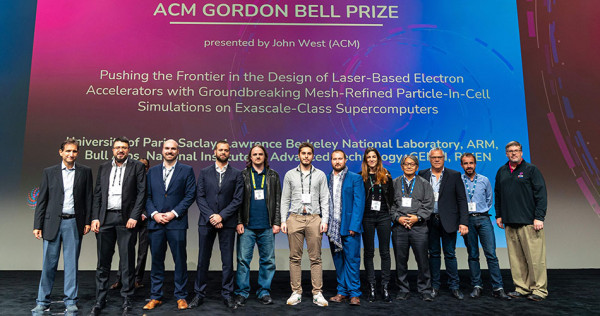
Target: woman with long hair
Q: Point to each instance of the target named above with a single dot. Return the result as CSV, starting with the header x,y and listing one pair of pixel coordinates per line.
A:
x,y
379,199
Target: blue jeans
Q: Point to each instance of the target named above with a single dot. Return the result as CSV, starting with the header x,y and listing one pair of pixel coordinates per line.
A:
x,y
481,229
265,239
68,236
436,231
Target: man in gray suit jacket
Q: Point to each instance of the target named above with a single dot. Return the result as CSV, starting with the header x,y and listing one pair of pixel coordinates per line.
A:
x,y
62,216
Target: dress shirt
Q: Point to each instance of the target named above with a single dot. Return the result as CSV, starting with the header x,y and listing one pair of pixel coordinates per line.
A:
x,y
167,174
483,192
435,184
68,177
337,193
221,171
313,182
115,187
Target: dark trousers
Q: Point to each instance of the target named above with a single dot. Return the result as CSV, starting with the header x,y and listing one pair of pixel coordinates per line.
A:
x,y
112,232
380,222
141,230
417,239
176,238
437,232
206,238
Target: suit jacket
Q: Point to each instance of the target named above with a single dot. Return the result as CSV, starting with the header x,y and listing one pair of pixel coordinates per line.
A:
x,y
133,193
353,203
224,200
178,197
452,200
50,200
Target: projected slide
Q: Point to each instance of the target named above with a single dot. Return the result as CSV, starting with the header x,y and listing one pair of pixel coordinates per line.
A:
x,y
399,76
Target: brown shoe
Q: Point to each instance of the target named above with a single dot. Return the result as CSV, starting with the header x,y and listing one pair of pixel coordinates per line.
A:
x,y
152,304
338,298
182,304
115,286
355,301
138,285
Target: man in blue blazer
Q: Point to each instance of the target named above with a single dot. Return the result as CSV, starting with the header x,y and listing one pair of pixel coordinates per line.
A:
x,y
450,214
171,191
62,216
346,207
220,191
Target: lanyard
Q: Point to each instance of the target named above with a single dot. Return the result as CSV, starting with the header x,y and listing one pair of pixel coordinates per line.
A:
x,y
412,186
262,185
302,181
120,169
166,175
373,187
470,192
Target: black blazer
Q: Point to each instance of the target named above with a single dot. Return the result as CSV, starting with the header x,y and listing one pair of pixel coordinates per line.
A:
x,y
50,200
225,200
452,201
133,194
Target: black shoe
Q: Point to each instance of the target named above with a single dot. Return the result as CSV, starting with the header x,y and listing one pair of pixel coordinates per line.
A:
x,y
240,300
266,300
371,296
230,302
96,309
435,292
427,297
515,294
127,306
499,293
458,294
402,296
535,297
476,292
386,293
196,301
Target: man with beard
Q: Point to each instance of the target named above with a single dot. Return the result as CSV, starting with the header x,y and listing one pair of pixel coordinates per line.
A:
x,y
479,199
346,207
171,191
521,202
449,215
306,197
117,207
220,191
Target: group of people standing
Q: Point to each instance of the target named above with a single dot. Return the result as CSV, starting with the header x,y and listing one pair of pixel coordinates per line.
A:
x,y
422,210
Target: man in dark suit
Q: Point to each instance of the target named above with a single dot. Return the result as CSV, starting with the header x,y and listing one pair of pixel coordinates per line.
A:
x,y
220,191
450,214
346,208
62,216
171,191
118,204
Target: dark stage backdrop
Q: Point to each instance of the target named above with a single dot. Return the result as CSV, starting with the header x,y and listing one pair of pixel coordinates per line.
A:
x,y
400,76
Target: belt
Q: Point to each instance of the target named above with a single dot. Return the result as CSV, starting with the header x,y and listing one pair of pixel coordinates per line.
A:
x,y
67,216
479,214
114,211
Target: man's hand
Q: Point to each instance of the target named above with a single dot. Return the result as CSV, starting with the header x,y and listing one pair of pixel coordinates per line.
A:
x,y
352,233
159,218
215,219
404,221
144,217
131,223
284,228
95,226
276,229
169,216
219,226
538,225
37,233
463,229
323,227
499,222
86,229
240,229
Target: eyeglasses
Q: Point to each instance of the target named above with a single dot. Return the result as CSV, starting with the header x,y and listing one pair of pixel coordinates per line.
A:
x,y
409,164
436,157
513,151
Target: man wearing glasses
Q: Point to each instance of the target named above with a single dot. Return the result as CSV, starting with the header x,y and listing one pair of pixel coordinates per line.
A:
x,y
521,202
449,215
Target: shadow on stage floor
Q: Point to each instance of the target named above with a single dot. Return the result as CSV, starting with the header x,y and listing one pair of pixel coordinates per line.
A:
x,y
572,292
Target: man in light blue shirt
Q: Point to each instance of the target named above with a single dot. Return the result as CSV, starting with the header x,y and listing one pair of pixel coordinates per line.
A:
x,y
479,198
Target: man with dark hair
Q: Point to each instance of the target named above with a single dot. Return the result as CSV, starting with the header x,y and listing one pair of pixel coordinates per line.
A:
x,y
449,215
306,197
479,198
171,191
258,221
521,202
220,191
346,207
62,217
118,204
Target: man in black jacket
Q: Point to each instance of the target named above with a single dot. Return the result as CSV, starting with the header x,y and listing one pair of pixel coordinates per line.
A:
x,y
258,221
450,213
521,202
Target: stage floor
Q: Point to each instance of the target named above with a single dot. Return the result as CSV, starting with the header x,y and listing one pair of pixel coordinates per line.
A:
x,y
571,292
